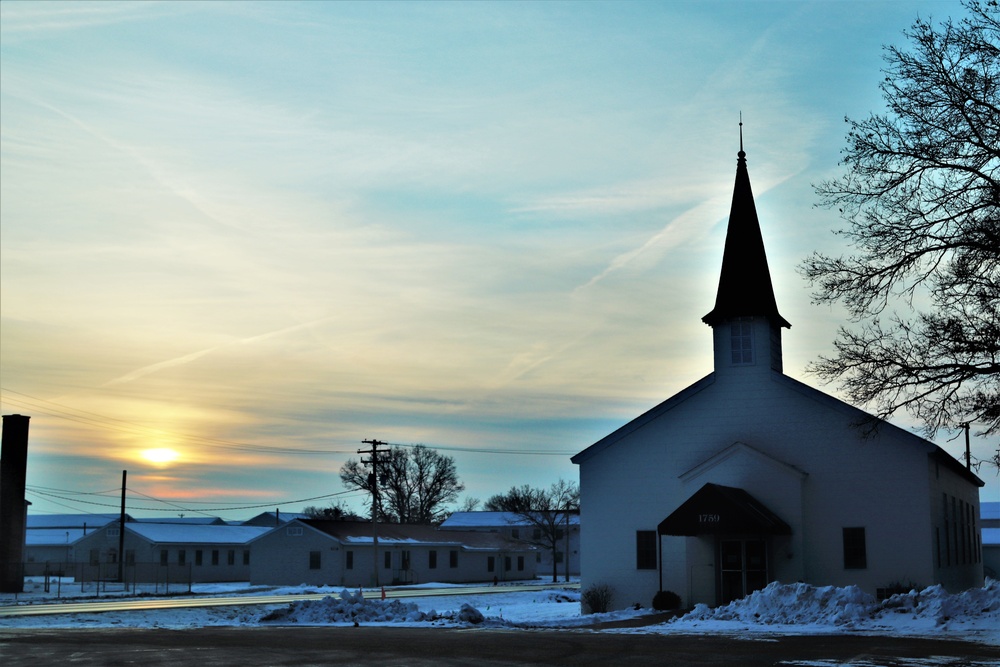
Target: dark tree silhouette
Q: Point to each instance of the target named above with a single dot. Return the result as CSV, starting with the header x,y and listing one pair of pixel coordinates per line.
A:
x,y
921,196
414,484
334,512
545,511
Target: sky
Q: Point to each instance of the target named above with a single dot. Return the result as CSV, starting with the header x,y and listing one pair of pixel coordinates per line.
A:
x,y
238,239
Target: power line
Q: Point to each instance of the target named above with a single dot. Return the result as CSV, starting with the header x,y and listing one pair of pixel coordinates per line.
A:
x,y
47,496
490,450
81,493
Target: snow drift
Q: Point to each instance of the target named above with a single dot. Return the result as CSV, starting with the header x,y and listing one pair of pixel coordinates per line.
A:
x,y
348,607
849,606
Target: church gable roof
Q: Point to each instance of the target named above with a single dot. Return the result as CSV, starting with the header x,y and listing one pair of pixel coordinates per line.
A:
x,y
856,415
859,416
745,287
645,418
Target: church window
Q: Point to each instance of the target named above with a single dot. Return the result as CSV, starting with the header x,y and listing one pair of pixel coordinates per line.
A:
x,y
645,549
741,341
855,553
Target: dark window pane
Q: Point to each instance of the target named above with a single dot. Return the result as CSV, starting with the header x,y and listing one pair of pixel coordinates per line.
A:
x,y
645,549
855,554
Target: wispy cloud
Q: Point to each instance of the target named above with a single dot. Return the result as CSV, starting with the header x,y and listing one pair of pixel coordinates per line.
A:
x,y
194,356
32,18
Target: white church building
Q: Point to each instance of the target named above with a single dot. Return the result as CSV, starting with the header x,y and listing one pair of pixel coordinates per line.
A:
x,y
748,476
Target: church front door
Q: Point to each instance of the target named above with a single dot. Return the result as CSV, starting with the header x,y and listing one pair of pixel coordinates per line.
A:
x,y
741,568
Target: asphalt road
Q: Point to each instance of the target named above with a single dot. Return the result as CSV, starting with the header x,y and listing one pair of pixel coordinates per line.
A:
x,y
439,647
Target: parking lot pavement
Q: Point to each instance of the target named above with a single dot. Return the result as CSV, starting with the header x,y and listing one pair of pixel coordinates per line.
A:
x,y
440,647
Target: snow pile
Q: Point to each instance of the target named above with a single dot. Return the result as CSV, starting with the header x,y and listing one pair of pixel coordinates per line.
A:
x,y
850,607
349,607
469,614
942,607
546,608
792,604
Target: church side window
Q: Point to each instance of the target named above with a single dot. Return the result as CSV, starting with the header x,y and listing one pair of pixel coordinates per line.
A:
x,y
741,341
645,549
855,552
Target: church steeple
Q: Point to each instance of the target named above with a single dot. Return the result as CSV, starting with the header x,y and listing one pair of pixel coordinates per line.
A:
x,y
745,282
746,324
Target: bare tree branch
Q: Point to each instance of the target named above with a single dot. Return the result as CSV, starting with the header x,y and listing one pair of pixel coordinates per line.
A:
x,y
921,198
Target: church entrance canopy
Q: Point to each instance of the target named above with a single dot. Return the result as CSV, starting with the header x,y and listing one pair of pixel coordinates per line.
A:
x,y
722,510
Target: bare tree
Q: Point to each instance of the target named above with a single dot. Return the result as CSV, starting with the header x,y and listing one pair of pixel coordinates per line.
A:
x,y
415,483
469,504
336,511
921,196
546,511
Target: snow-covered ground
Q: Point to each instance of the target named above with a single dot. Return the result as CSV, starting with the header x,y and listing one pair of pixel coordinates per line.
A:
x,y
973,615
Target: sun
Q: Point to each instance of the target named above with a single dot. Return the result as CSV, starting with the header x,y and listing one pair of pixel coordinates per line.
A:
x,y
160,455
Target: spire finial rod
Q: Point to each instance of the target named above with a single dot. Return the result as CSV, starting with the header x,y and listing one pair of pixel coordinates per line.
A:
x,y
741,154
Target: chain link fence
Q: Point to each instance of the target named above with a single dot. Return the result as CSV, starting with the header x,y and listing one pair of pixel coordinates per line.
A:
x,y
74,579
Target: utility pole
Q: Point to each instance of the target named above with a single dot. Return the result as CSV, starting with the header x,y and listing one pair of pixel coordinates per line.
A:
x,y
568,543
968,452
121,534
373,484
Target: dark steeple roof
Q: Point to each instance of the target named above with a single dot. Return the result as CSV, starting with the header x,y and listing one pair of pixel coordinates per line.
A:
x,y
744,282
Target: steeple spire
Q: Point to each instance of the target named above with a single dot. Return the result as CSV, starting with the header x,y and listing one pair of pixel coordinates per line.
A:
x,y
745,288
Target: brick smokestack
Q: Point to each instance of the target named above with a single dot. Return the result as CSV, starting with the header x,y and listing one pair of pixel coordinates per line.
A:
x,y
13,508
